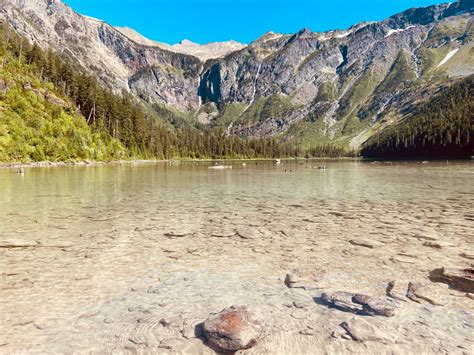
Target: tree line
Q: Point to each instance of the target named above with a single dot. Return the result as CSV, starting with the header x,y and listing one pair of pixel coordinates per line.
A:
x,y
441,127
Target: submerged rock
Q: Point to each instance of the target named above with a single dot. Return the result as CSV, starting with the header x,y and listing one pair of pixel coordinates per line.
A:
x,y
235,328
361,330
431,293
377,307
467,256
397,290
359,303
342,300
457,278
292,280
374,307
365,243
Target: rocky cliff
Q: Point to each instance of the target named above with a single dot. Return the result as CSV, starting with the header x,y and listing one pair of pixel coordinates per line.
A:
x,y
309,86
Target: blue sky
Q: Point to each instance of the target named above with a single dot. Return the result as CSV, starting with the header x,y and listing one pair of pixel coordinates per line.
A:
x,y
206,21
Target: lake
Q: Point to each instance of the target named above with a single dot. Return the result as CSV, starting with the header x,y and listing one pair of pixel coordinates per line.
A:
x,y
134,257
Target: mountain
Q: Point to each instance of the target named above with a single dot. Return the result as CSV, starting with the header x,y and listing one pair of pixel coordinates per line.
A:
x,y
340,86
50,110
204,52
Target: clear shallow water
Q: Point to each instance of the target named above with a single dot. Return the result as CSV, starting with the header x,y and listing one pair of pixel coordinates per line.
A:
x,y
76,237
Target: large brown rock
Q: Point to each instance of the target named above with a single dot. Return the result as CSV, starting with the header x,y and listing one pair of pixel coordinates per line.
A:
x,y
235,328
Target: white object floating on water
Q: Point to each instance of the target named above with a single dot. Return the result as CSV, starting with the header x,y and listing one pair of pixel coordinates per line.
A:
x,y
244,164
448,57
220,167
278,161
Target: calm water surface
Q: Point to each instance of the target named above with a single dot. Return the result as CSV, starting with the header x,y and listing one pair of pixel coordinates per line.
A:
x,y
75,236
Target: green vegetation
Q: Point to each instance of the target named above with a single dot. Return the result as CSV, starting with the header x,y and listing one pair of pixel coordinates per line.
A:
x,y
443,126
430,58
37,123
400,74
446,30
327,92
362,88
264,108
94,123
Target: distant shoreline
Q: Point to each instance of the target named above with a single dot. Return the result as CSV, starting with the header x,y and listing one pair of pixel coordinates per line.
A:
x,y
91,163
46,164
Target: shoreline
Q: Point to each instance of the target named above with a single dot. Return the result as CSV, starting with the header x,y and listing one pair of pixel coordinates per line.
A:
x,y
91,163
48,164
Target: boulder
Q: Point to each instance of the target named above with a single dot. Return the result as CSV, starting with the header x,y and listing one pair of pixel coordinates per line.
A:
x,y
235,328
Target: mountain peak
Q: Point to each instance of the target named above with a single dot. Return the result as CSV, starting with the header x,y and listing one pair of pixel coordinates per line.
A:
x,y
187,42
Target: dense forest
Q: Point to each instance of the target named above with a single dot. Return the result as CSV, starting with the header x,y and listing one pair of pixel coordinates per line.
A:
x,y
441,127
121,125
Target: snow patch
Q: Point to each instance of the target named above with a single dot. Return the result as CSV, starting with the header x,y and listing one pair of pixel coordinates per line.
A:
x,y
448,57
392,31
343,35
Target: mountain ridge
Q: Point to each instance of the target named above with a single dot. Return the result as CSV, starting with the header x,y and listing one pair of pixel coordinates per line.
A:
x,y
309,86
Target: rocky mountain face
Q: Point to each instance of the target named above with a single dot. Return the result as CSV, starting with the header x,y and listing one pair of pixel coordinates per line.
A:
x,y
334,86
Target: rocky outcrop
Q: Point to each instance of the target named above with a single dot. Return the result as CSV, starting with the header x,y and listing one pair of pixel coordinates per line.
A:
x,y
235,328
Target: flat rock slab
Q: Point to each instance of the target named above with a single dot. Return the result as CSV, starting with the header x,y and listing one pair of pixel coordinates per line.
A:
x,y
223,233
361,330
235,328
342,300
371,244
249,233
17,243
178,233
433,293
